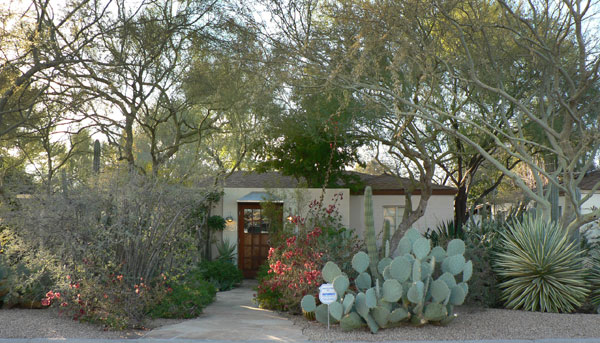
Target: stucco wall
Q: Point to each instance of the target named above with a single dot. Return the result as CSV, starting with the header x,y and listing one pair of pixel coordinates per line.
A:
x,y
593,201
440,208
296,202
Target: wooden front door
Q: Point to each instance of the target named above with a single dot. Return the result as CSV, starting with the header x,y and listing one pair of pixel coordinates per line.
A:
x,y
253,238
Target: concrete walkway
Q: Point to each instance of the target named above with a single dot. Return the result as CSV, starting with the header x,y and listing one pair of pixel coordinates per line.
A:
x,y
233,317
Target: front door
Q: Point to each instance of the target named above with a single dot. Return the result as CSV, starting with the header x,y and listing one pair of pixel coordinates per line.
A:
x,y
253,238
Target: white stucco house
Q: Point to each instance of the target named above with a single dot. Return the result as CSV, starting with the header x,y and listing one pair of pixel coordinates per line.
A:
x,y
244,191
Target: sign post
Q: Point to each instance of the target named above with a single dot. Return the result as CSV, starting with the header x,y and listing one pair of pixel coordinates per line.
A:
x,y
327,295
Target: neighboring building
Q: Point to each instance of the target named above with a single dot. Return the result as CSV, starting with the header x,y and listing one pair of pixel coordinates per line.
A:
x,y
244,191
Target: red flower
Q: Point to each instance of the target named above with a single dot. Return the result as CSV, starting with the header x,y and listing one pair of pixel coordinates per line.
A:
x,y
45,302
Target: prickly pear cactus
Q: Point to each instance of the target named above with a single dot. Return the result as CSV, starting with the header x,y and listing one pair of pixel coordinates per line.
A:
x,y
408,290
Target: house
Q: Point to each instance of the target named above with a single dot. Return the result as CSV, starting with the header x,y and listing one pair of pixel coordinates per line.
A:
x,y
247,225
586,186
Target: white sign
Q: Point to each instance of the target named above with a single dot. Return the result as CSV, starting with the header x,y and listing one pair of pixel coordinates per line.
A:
x,y
327,294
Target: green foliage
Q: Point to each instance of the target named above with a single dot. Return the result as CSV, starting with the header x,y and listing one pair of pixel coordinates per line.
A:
x,y
186,298
445,232
409,290
227,251
216,223
482,244
541,267
315,142
594,279
267,295
27,271
222,274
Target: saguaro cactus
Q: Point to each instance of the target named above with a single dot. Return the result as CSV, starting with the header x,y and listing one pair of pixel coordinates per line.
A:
x,y
96,162
370,233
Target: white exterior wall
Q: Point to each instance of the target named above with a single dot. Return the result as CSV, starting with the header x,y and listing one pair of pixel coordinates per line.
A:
x,y
295,202
440,208
593,201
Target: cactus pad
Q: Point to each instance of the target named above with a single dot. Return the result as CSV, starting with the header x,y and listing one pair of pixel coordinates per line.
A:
x,y
416,271
399,314
336,310
413,235
348,303
439,291
456,247
308,303
360,261
448,279
400,268
386,273
415,292
467,271
426,269
363,281
464,286
351,321
321,315
370,298
439,253
421,248
382,264
454,264
457,295
435,312
392,290
404,246
340,284
381,316
330,271
361,305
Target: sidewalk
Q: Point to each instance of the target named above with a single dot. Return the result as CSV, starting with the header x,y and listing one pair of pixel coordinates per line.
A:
x,y
233,317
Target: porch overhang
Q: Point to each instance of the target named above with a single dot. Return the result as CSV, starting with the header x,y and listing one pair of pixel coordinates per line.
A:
x,y
257,197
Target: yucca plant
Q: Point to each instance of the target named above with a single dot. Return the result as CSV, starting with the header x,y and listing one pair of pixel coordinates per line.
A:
x,y
541,267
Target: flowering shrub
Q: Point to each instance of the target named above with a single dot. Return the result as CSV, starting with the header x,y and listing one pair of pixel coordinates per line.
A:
x,y
113,301
295,260
294,271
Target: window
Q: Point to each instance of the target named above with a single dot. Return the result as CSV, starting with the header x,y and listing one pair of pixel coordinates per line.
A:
x,y
393,215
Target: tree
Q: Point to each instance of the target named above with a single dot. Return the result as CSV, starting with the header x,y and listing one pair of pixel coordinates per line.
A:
x,y
314,142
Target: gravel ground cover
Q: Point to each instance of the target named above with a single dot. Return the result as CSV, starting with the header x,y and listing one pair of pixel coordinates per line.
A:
x,y
19,323
472,324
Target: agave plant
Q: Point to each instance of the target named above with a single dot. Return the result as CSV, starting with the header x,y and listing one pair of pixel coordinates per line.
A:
x,y
542,268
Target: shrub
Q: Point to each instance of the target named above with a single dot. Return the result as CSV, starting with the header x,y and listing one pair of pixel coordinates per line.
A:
x,y
541,268
27,271
482,240
296,268
295,263
594,280
111,300
444,233
227,251
223,275
185,298
267,296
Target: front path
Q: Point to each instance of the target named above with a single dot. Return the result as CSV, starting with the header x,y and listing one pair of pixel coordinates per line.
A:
x,y
234,317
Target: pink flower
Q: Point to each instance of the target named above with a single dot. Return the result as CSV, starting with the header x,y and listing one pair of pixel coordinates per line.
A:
x,y
45,302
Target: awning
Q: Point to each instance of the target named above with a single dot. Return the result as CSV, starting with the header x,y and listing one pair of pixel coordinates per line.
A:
x,y
259,197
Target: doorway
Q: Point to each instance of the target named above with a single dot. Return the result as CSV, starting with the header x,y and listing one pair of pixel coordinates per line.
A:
x,y
253,238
